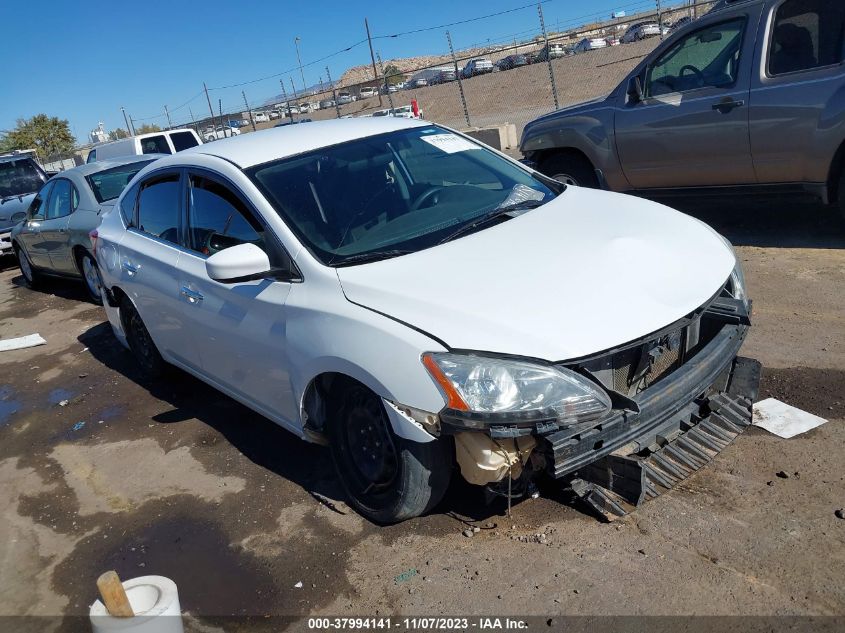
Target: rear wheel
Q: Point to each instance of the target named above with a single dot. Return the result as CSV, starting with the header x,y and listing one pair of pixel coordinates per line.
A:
x,y
140,342
91,277
570,169
30,275
388,479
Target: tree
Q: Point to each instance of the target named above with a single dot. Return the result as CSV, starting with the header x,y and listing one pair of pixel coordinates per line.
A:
x,y
48,135
119,133
393,74
147,128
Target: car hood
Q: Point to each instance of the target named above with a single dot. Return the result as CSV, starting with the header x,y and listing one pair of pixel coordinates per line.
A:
x,y
587,272
10,206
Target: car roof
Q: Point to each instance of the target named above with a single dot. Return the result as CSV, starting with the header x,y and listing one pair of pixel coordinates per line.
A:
x,y
256,148
108,163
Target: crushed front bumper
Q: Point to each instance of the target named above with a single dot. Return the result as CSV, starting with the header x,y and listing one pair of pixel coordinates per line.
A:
x,y
680,425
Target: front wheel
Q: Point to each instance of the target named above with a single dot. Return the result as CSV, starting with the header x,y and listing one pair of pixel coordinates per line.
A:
x,y
570,169
30,275
388,479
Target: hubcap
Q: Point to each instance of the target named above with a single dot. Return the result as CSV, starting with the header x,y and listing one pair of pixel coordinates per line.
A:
x,y
566,179
92,276
25,267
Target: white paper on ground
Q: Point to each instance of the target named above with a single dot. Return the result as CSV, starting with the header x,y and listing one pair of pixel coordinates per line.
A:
x,y
30,340
783,420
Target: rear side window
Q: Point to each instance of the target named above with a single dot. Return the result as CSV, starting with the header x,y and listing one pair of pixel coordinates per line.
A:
x,y
37,207
806,34
183,140
155,145
158,208
127,205
217,218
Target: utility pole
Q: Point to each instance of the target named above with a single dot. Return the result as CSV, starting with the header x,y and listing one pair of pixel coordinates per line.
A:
x,y
294,88
548,55
220,110
126,119
167,114
251,120
386,88
659,21
458,75
334,92
302,74
210,109
132,124
373,57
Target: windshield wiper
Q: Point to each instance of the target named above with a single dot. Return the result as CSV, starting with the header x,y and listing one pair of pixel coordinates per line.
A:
x,y
508,210
373,256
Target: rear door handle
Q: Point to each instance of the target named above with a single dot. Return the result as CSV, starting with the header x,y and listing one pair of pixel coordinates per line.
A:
x,y
726,106
129,268
192,295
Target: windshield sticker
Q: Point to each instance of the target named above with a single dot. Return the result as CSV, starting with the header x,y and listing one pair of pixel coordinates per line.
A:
x,y
449,143
522,193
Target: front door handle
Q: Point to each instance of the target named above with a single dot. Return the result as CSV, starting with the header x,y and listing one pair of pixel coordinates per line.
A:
x,y
129,268
726,106
191,295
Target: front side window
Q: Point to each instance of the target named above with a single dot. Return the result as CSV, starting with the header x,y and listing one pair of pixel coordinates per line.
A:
x,y
707,58
217,218
20,177
110,183
155,145
61,200
405,190
183,140
159,208
38,206
806,34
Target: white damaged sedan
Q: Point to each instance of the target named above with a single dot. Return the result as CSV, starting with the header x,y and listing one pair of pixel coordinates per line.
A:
x,y
417,301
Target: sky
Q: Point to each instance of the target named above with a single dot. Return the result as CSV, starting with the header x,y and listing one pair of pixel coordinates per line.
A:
x,y
84,60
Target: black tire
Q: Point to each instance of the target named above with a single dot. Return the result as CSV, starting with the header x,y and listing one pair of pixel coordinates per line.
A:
x,y
387,478
140,342
571,169
840,195
88,269
30,274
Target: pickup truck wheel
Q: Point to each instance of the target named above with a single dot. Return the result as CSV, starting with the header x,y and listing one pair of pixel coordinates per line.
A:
x,y
570,169
31,276
388,479
140,342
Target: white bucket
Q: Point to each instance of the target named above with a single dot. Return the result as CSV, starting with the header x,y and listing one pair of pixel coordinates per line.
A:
x,y
155,602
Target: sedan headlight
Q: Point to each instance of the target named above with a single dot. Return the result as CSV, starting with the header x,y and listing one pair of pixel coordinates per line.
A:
x,y
738,289
482,390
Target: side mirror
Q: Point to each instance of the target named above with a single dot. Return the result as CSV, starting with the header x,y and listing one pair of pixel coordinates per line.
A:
x,y
635,90
243,262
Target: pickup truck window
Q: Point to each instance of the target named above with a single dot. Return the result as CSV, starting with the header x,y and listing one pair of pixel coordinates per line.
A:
x,y
806,34
705,58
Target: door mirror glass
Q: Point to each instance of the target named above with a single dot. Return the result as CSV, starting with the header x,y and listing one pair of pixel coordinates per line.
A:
x,y
238,263
635,90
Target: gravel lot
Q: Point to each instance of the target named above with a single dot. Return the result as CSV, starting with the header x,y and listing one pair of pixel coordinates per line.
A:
x,y
173,478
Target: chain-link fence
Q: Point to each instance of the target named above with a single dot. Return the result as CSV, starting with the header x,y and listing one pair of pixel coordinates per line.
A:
x,y
513,80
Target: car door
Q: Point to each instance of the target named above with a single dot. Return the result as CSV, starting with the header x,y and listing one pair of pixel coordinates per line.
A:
x,y
149,258
239,328
690,128
30,235
793,133
64,199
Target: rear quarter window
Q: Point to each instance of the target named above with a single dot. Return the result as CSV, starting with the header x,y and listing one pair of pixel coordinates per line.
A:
x,y
183,140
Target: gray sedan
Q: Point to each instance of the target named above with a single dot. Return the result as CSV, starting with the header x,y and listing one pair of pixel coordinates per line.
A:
x,y
54,239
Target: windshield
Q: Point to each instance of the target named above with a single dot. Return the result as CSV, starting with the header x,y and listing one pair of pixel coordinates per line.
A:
x,y
20,177
110,183
401,191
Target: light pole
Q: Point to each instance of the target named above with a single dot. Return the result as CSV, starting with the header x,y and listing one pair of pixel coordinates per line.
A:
x,y
299,59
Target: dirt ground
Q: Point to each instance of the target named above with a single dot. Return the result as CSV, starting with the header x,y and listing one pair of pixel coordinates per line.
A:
x,y
100,470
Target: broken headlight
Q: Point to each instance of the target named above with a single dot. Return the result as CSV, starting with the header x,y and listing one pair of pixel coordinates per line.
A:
x,y
736,285
486,390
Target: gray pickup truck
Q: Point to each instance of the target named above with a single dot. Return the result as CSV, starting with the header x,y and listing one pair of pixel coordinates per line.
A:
x,y
20,178
750,97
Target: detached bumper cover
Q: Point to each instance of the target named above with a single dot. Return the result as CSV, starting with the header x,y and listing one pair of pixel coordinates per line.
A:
x,y
682,423
6,241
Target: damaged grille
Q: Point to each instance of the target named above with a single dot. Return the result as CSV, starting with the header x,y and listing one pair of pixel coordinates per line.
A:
x,y
629,371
